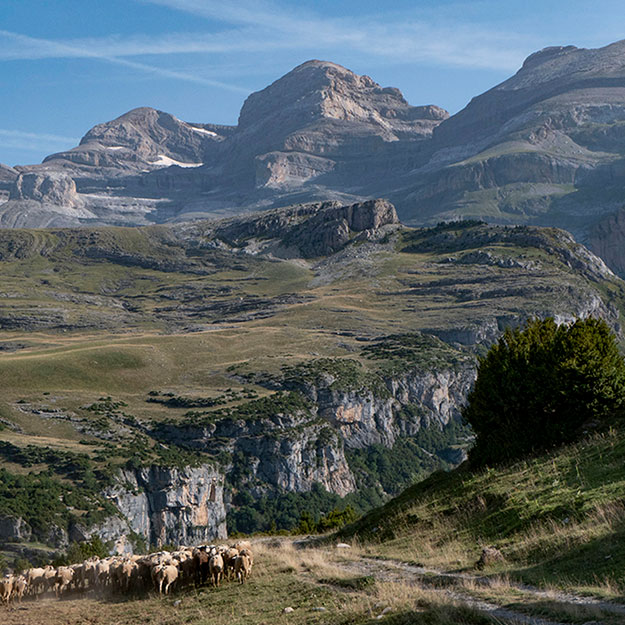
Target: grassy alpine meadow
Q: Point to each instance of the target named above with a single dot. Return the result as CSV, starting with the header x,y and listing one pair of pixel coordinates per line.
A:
x,y
82,328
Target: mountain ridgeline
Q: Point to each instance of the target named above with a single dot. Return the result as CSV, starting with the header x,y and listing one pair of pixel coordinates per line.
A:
x,y
171,383
545,147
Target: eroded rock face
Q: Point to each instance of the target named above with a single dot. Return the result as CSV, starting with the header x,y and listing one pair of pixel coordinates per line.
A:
x,y
14,529
288,452
50,187
295,462
319,114
304,230
7,178
606,240
543,147
170,505
323,90
294,451
368,417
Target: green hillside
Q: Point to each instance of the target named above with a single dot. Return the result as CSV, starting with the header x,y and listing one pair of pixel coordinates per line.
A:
x,y
558,519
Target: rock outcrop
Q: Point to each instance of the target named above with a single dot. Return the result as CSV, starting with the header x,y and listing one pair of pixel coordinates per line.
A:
x,y
370,416
47,187
7,177
289,451
304,230
606,240
162,505
14,528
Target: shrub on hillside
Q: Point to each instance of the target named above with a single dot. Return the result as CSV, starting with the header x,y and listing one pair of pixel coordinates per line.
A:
x,y
537,386
78,552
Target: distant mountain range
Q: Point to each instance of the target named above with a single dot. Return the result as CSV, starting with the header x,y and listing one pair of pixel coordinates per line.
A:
x,y
545,147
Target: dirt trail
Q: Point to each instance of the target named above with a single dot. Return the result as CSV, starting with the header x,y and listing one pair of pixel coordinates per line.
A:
x,y
395,571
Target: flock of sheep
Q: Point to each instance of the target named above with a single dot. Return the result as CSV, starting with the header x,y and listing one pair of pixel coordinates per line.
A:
x,y
160,571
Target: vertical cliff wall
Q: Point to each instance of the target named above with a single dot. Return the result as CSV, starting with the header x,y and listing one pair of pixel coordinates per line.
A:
x,y
172,505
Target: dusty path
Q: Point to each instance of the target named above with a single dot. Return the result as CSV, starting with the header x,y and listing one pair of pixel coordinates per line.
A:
x,y
451,585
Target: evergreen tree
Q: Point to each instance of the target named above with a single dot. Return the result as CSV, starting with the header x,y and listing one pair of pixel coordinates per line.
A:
x,y
538,385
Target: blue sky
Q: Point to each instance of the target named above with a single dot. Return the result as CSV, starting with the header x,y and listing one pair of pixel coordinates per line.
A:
x,y
66,65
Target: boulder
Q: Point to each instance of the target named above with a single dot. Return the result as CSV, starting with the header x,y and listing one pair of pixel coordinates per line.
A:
x,y
490,556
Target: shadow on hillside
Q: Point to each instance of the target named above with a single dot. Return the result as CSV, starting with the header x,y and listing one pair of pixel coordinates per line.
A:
x,y
591,563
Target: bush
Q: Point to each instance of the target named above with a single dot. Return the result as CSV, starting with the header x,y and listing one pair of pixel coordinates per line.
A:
x,y
20,565
538,386
78,552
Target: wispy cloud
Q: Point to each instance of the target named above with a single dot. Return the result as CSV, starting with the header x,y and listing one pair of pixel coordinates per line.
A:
x,y
399,37
48,48
35,142
115,47
263,27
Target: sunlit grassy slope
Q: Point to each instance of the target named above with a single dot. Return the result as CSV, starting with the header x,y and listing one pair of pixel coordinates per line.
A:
x,y
558,518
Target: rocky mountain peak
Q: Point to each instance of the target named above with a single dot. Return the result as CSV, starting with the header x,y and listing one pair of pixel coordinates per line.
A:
x,y
323,90
140,118
144,139
134,127
556,87
546,54
149,130
568,65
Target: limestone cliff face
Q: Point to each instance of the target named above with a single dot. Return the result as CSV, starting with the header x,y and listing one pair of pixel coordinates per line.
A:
x,y
296,462
169,505
45,186
293,450
606,240
14,528
7,178
364,417
289,452
304,230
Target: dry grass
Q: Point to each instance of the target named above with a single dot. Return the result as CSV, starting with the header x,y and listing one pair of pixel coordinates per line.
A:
x,y
558,519
445,550
319,563
566,534
550,603
438,547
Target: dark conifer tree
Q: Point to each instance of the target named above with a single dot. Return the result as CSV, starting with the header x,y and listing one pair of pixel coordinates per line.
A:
x,y
537,387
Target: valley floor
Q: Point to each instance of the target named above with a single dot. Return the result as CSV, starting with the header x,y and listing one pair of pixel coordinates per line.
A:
x,y
330,585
